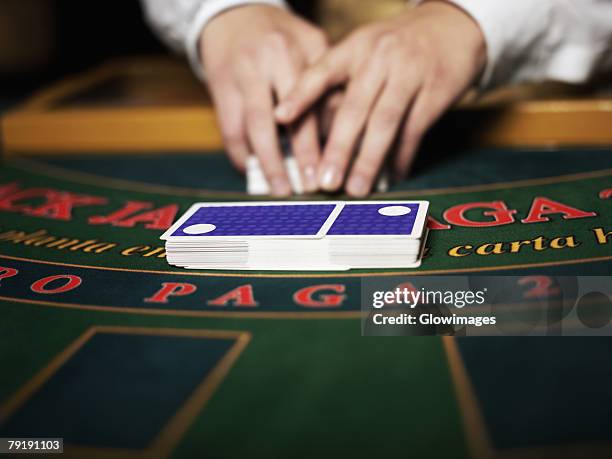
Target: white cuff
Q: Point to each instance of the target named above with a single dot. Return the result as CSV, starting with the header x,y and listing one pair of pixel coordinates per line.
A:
x,y
205,14
512,31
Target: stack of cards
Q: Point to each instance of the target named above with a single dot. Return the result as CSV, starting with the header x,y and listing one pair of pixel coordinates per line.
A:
x,y
257,184
299,236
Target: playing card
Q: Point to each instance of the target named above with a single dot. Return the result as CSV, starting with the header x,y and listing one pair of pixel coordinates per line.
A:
x,y
306,235
257,184
241,221
370,218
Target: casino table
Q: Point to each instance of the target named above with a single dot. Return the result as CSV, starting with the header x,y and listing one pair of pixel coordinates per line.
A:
x,y
106,345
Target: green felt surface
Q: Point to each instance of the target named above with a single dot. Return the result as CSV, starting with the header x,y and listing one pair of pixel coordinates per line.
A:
x,y
307,384
517,192
315,383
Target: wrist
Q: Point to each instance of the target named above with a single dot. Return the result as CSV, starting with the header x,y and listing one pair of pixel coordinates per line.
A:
x,y
205,16
242,12
465,26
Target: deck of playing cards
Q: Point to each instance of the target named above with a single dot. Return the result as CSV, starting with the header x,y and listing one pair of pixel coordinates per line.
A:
x,y
300,236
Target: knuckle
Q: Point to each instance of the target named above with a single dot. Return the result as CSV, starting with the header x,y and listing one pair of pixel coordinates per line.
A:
x,y
386,42
274,172
321,70
319,39
360,35
439,75
255,116
304,143
416,51
233,138
335,149
246,58
352,111
370,162
339,148
386,117
312,80
367,167
416,130
277,41
419,43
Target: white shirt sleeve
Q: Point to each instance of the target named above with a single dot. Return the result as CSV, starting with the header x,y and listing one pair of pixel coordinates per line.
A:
x,y
179,23
536,40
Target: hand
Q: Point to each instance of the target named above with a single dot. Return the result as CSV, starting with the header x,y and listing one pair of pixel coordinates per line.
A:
x,y
252,55
401,75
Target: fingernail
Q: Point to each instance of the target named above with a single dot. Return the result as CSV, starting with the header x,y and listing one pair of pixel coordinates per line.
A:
x,y
280,187
357,186
283,111
310,179
330,178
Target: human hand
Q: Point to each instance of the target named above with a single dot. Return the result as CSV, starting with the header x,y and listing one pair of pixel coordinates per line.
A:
x,y
253,55
401,75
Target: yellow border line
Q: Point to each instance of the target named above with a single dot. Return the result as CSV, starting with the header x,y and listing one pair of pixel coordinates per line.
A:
x,y
22,395
170,436
29,165
187,313
48,97
335,275
473,421
180,422
353,314
518,121
196,124
479,443
63,173
44,99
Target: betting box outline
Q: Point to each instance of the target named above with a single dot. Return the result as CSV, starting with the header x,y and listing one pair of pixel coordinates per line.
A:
x,y
177,425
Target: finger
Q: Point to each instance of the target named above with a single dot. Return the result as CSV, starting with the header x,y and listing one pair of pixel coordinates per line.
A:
x,y
348,126
382,129
329,71
304,133
328,111
261,128
316,46
427,108
230,113
307,152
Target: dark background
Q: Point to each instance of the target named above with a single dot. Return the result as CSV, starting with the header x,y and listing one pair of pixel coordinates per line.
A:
x,y
63,37
42,41
79,34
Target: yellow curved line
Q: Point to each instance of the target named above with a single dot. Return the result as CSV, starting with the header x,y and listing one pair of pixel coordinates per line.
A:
x,y
186,313
474,424
129,185
336,275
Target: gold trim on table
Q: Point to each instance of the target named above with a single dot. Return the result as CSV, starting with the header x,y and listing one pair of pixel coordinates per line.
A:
x,y
148,105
